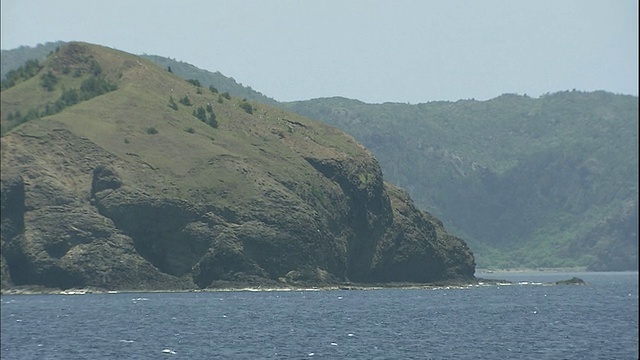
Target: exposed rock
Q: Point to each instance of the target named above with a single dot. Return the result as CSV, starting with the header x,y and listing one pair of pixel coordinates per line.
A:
x,y
11,204
573,281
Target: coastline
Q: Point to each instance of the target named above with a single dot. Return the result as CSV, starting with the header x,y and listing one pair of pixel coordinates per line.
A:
x,y
477,281
239,287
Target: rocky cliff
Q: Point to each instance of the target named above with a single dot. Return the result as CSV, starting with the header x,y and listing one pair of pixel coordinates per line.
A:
x,y
140,187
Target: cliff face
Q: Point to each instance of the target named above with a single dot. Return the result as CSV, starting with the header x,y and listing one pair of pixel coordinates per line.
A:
x,y
92,197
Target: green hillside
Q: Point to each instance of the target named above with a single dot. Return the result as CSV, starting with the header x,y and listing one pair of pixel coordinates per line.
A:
x,y
548,182
118,174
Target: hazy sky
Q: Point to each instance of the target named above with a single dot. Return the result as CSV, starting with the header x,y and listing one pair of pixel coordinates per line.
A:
x,y
374,51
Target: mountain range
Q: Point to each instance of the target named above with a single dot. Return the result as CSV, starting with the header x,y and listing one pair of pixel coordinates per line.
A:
x,y
527,182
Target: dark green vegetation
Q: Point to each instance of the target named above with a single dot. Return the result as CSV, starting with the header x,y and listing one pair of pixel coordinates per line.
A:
x,y
130,189
548,182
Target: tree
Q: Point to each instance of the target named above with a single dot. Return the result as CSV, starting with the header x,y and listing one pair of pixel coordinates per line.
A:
x,y
212,121
48,81
200,113
95,68
69,97
194,82
185,101
95,86
246,107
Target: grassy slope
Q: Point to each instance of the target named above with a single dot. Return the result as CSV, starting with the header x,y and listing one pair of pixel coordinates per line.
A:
x,y
183,148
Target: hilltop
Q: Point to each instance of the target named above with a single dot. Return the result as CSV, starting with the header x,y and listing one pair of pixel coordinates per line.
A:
x,y
118,174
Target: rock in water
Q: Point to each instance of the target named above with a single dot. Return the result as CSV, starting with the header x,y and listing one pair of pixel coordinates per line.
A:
x,y
573,281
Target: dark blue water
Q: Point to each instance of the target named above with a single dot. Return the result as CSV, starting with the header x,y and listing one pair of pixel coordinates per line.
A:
x,y
596,321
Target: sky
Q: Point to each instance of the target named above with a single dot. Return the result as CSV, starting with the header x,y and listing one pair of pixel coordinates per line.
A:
x,y
409,51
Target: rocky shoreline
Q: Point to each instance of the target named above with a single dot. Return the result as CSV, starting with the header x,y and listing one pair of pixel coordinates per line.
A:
x,y
238,287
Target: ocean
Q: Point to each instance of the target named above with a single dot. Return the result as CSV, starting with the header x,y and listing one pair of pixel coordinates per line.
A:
x,y
524,320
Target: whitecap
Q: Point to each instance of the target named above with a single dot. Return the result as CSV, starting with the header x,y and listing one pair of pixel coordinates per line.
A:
x,y
350,334
334,344
169,351
311,354
126,341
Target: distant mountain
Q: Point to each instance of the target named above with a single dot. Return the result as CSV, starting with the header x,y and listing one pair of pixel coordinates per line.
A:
x,y
118,174
548,182
14,58
206,78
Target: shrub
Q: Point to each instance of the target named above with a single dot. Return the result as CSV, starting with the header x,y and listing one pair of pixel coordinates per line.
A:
x,y
226,95
68,98
212,121
200,113
48,81
246,107
213,89
185,101
95,68
95,86
190,130
152,131
194,82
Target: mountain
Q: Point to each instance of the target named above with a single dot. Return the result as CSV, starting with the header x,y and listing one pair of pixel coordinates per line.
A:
x,y
118,174
547,182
